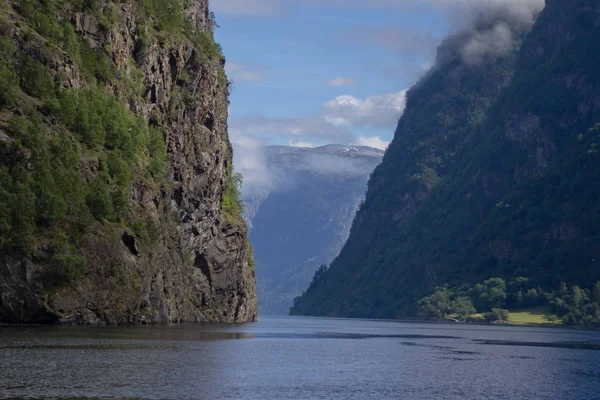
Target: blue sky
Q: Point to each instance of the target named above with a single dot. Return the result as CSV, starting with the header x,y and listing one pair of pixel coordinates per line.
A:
x,y
314,72
310,72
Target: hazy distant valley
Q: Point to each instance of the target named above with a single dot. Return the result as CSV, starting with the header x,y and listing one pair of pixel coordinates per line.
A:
x,y
300,213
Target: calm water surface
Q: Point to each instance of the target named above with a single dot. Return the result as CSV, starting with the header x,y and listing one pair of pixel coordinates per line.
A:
x,y
300,358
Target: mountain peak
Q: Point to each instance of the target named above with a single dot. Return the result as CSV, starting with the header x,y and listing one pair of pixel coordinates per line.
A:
x,y
330,149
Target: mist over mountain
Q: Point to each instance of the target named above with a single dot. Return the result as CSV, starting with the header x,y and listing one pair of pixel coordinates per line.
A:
x,y
299,204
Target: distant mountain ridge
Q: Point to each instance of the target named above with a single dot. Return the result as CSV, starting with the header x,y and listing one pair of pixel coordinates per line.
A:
x,y
301,217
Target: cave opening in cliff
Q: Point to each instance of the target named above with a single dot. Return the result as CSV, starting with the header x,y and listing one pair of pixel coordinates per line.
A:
x,y
202,264
129,242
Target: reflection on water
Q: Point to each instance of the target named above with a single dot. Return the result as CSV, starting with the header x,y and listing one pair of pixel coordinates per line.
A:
x,y
299,358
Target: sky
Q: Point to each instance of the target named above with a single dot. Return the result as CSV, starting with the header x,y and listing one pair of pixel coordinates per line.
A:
x,y
314,72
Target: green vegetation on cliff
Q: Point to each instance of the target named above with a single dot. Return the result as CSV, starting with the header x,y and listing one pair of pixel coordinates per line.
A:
x,y
67,130
62,130
230,200
510,191
112,132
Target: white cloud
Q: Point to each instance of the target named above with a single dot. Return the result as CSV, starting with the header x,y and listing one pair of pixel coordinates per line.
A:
x,y
375,142
332,124
247,72
247,7
522,9
462,12
496,41
379,111
313,128
249,159
341,81
487,28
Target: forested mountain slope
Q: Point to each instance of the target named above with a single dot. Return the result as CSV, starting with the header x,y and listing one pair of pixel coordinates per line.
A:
x,y
117,199
496,178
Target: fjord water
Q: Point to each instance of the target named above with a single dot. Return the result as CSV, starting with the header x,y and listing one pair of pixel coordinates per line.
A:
x,y
300,358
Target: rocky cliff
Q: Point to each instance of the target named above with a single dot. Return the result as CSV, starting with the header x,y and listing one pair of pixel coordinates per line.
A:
x,y
118,202
301,216
492,171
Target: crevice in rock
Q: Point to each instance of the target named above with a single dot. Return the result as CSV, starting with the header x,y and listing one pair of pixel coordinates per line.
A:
x,y
173,67
178,196
129,242
202,264
209,122
153,95
139,51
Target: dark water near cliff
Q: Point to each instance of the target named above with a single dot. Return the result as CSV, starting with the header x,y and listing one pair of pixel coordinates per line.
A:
x,y
301,358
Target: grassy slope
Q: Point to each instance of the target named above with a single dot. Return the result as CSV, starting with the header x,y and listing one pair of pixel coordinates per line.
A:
x,y
537,315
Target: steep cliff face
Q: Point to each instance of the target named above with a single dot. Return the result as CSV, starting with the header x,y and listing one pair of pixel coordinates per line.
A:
x,y
141,229
513,194
301,217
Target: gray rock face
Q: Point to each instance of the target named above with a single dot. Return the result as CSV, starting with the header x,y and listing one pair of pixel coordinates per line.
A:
x,y
198,269
301,217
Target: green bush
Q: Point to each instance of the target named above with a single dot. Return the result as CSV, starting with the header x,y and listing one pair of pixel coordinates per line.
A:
x,y
119,202
168,17
207,47
88,123
42,17
71,43
119,169
436,306
117,124
95,62
147,231
50,203
230,200
68,111
99,201
491,294
67,265
497,314
36,80
158,156
463,308
8,78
